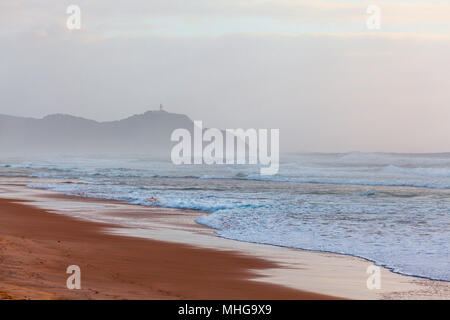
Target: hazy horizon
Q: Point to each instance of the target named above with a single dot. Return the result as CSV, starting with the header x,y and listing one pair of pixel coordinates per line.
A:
x,y
312,70
283,152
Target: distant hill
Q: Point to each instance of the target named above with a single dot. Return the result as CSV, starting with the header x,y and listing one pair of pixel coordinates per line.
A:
x,y
147,133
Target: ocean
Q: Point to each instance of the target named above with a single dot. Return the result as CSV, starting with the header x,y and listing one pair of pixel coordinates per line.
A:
x,y
393,209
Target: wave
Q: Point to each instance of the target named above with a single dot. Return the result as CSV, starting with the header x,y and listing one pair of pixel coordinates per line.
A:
x,y
367,169
417,184
385,159
407,180
418,171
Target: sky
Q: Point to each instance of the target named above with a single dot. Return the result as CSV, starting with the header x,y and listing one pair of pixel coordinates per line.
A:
x,y
312,69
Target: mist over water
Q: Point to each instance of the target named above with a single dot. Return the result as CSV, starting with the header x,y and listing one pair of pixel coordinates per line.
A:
x,y
393,209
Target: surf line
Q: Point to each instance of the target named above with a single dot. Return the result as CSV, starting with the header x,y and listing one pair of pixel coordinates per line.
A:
x,y
239,146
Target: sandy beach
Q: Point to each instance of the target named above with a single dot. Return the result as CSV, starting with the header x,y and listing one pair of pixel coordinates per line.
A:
x,y
42,233
37,246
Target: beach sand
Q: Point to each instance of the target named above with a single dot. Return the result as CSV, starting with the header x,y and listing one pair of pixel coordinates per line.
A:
x,y
38,246
42,233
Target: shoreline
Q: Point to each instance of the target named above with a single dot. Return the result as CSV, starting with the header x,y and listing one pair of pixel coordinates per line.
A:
x,y
33,261
37,246
280,272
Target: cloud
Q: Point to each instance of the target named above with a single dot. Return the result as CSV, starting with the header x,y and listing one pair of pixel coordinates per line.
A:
x,y
224,16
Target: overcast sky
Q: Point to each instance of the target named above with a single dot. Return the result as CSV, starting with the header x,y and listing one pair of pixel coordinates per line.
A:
x,y
310,68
